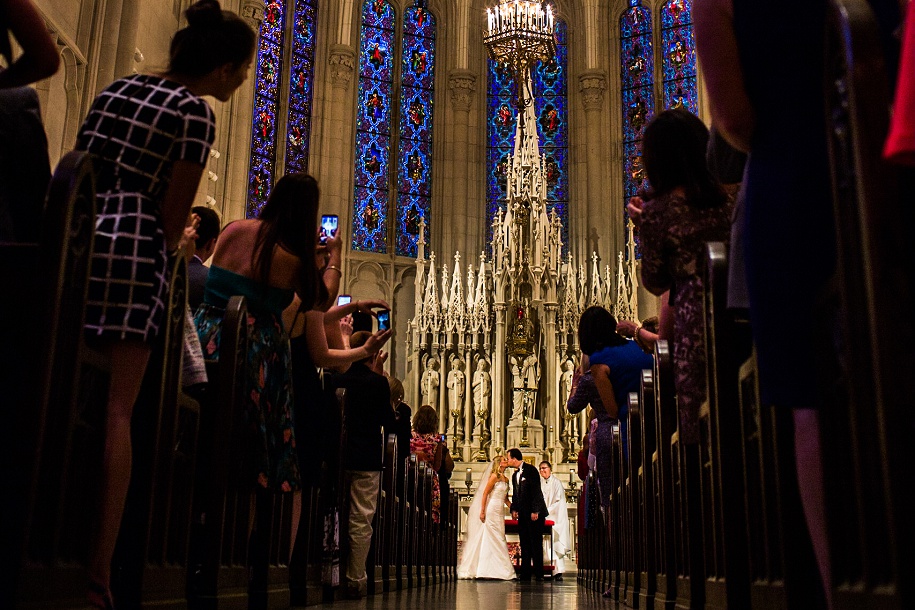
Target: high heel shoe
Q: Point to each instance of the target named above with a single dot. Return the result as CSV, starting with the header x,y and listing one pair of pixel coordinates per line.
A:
x,y
100,596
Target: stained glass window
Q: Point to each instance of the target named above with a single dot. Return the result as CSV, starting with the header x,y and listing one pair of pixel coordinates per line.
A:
x,y
678,56
637,80
373,127
551,108
551,97
501,111
414,176
301,82
266,99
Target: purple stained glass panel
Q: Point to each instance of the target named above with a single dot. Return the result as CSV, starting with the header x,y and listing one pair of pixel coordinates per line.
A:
x,y
301,86
266,100
414,174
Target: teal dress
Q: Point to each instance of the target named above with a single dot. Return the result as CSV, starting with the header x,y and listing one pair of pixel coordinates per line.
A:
x,y
270,447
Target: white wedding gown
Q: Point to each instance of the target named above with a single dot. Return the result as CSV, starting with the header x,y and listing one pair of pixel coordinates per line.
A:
x,y
485,552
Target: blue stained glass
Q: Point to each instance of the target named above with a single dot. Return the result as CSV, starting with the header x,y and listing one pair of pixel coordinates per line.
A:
x,y
301,86
637,80
678,56
414,190
373,128
266,101
551,106
550,84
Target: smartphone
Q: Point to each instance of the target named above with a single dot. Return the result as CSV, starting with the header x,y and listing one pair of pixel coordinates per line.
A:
x,y
328,227
344,299
384,319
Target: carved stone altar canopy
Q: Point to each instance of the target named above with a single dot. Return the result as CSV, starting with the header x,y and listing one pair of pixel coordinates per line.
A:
x,y
518,307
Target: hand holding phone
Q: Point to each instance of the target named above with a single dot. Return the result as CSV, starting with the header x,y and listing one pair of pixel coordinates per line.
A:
x,y
344,299
384,319
328,227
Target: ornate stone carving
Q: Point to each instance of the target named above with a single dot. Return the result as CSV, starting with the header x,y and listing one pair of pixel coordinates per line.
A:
x,y
592,84
252,10
342,64
463,85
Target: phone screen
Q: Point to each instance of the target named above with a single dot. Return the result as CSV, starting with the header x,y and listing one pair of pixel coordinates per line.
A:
x,y
328,227
344,299
384,319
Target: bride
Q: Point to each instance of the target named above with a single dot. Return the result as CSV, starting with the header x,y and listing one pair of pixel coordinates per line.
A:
x,y
485,549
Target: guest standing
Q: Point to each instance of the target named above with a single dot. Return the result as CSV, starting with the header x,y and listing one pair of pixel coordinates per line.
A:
x,y
151,136
367,411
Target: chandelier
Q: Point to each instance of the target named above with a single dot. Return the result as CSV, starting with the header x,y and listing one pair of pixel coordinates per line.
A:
x,y
518,34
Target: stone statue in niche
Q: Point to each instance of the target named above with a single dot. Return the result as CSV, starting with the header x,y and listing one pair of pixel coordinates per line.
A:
x,y
530,371
517,388
455,383
482,390
571,432
430,382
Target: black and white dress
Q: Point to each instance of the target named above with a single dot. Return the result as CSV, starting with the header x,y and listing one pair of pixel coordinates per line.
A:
x,y
138,127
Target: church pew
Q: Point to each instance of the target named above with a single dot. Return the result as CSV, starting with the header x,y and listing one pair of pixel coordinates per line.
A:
x,y
632,505
425,529
334,508
687,510
52,443
317,540
150,561
866,438
728,343
410,523
389,484
614,517
663,468
781,563
217,574
381,523
647,445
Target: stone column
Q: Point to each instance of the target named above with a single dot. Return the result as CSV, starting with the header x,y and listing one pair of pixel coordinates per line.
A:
x,y
236,132
452,219
498,383
552,424
108,46
127,39
603,231
468,405
335,188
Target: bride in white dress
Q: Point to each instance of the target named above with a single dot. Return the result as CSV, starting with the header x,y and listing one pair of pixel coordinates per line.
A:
x,y
485,552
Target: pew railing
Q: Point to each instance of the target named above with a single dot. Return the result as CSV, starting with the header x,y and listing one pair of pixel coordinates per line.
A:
x,y
867,435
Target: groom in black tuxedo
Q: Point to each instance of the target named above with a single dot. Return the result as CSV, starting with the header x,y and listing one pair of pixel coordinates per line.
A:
x,y
529,509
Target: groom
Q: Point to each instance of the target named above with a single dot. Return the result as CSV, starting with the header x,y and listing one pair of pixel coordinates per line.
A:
x,y
529,509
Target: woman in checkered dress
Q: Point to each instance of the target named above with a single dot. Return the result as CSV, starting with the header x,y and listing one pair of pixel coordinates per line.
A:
x,y
151,135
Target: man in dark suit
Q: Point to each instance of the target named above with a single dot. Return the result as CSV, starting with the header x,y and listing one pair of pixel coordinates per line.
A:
x,y
207,232
367,410
530,511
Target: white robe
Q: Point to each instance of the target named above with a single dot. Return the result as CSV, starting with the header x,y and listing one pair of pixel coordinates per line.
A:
x,y
554,494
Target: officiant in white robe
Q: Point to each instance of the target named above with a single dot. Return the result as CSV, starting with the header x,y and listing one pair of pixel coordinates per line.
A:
x,y
554,494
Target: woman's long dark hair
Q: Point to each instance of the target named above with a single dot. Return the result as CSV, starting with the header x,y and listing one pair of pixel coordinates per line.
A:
x,y
213,38
673,152
597,330
289,219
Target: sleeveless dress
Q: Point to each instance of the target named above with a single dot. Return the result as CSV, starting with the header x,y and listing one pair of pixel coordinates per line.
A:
x,y
271,458
485,552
